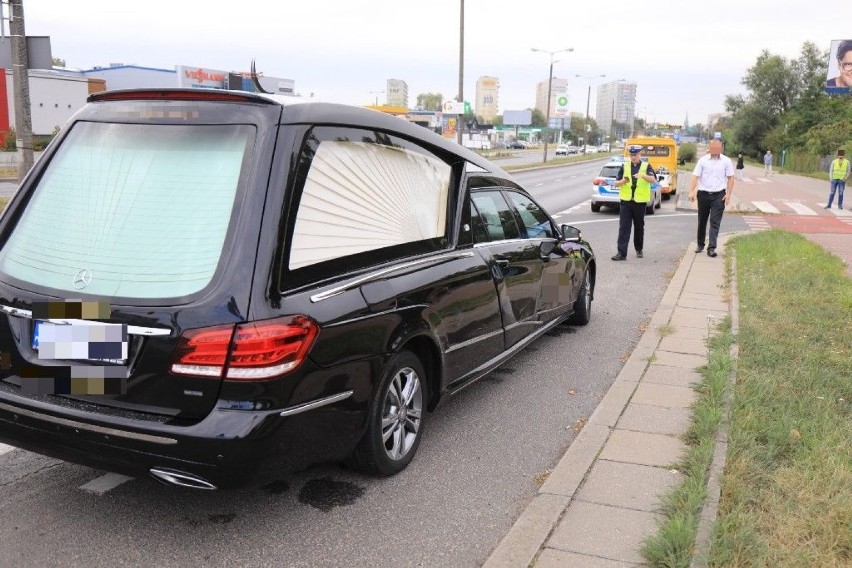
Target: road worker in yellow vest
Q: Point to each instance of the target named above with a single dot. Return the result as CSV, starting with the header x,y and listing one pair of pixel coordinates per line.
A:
x,y
837,173
634,181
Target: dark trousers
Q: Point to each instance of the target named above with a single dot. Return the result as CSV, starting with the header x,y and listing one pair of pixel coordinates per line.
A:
x,y
631,214
711,204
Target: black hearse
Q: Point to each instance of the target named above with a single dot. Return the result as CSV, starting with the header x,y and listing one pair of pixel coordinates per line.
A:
x,y
207,285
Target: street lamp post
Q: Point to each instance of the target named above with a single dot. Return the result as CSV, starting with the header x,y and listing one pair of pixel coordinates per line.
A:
x,y
588,98
377,93
549,91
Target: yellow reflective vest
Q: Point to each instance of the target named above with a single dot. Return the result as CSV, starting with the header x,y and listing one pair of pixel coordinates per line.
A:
x,y
839,167
643,188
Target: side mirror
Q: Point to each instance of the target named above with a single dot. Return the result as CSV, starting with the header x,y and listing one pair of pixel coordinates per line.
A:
x,y
571,234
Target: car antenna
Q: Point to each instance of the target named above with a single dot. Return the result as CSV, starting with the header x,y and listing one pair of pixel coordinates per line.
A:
x,y
256,81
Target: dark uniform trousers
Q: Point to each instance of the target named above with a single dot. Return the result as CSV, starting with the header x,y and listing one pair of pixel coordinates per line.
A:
x,y
631,213
711,204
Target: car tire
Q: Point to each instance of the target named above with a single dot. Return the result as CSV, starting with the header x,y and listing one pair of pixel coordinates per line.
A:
x,y
596,207
395,424
649,209
659,203
583,304
667,196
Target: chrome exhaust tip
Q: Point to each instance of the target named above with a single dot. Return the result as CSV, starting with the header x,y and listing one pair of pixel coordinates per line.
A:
x,y
181,479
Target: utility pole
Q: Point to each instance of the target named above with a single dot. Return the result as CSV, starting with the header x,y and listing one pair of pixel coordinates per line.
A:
x,y
460,119
21,80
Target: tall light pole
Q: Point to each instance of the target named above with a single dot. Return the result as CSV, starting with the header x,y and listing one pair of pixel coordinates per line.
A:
x,y
377,93
549,90
460,119
588,98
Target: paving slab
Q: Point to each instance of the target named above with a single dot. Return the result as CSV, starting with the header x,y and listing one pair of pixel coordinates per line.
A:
x,y
683,360
608,532
682,345
664,395
691,317
642,448
627,485
655,419
668,375
688,332
716,304
633,370
553,558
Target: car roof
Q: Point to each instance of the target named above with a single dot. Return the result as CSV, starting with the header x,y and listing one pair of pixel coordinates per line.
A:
x,y
299,110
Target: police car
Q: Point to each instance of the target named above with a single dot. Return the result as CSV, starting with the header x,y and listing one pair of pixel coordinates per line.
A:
x,y
604,193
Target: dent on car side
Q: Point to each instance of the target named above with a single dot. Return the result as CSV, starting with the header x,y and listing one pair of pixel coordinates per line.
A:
x,y
322,330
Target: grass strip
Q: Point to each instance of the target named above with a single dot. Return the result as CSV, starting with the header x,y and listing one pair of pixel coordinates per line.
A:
x,y
787,491
3,202
672,546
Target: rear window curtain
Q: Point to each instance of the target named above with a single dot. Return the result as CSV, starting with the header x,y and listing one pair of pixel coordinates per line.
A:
x,y
140,210
361,196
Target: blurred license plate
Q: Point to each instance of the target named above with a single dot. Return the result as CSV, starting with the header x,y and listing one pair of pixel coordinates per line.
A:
x,y
85,341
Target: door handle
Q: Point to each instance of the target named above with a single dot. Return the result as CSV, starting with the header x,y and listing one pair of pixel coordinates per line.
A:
x,y
501,262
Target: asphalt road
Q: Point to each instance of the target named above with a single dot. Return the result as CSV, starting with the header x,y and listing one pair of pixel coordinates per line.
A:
x,y
482,456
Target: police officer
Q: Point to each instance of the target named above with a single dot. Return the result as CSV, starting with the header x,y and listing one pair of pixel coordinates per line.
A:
x,y
634,180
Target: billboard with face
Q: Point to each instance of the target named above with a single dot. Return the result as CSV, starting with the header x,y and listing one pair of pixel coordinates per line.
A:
x,y
839,77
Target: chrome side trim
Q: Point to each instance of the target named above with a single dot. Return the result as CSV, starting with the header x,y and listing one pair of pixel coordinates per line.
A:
x,y
316,403
131,329
470,342
89,427
535,323
378,274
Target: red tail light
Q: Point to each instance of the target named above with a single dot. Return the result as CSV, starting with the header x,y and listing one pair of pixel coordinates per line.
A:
x,y
252,351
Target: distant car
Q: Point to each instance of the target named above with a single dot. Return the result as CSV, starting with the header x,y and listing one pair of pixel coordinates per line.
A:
x,y
515,145
591,150
563,150
604,193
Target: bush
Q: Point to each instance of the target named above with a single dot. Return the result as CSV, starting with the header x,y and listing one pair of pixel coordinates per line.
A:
x,y
10,141
688,151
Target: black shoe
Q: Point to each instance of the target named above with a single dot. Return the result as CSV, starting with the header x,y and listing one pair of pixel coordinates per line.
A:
x,y
711,252
700,248
619,256
639,254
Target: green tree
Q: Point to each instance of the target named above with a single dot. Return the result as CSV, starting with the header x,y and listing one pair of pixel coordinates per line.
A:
x,y
430,101
538,118
497,120
58,62
774,82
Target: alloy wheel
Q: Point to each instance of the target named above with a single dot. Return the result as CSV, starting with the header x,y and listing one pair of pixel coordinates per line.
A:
x,y
402,413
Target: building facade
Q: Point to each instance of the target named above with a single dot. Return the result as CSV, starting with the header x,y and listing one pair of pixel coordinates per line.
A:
x,y
558,89
397,93
487,97
616,104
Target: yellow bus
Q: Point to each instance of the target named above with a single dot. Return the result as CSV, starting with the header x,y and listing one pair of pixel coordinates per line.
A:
x,y
662,155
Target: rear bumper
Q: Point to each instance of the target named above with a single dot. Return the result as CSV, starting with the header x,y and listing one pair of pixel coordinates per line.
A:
x,y
228,448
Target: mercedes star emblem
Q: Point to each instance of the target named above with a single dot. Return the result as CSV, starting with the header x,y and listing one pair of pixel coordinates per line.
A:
x,y
83,278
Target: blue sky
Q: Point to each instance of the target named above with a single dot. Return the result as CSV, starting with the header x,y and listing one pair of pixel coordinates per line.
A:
x,y
684,56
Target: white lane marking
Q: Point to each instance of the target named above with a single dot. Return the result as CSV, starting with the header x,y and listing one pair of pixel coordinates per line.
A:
x,y
5,449
560,179
799,208
764,180
538,185
105,483
765,206
756,223
572,177
841,212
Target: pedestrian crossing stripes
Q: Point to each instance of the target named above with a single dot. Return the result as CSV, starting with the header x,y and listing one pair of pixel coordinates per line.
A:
x,y
765,206
756,223
800,208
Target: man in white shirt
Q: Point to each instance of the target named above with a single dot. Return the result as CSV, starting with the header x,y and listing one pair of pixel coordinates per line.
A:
x,y
712,184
